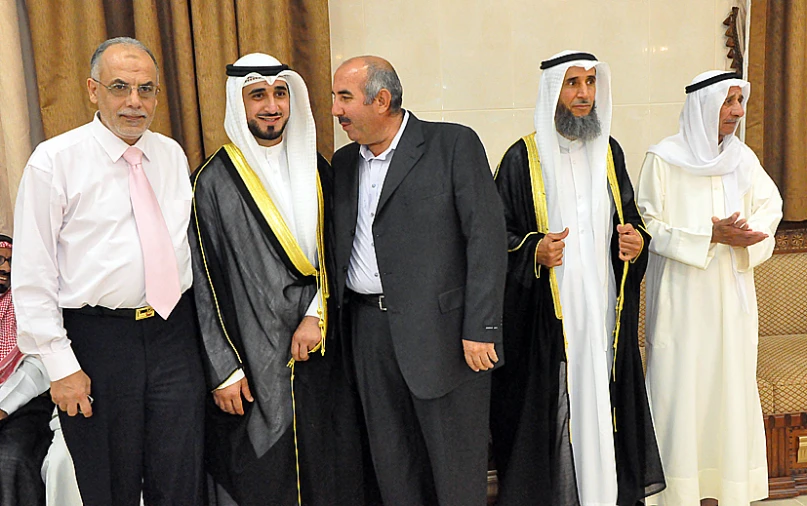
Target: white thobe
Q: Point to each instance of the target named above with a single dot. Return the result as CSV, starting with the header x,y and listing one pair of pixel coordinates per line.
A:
x,y
701,344
588,299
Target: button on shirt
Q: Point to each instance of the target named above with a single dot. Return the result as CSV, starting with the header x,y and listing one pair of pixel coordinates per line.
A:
x,y
362,273
77,235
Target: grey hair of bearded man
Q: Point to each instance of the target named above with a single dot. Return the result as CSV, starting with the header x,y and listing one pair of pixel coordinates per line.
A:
x,y
95,61
379,78
584,128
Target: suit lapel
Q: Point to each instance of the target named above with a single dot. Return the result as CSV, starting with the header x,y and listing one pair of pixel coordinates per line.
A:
x,y
347,180
353,188
406,155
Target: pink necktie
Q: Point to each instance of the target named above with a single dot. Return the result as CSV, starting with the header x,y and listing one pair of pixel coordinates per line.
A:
x,y
162,275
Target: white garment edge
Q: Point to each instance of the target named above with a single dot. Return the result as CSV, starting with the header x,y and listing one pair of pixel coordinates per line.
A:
x,y
28,381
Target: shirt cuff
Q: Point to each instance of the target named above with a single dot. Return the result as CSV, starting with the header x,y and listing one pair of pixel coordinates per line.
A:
x,y
13,402
60,364
234,378
313,308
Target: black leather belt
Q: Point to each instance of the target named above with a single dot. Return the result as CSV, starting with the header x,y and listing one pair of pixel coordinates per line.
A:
x,y
375,300
140,313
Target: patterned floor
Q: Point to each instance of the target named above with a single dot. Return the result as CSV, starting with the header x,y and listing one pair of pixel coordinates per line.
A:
x,y
796,501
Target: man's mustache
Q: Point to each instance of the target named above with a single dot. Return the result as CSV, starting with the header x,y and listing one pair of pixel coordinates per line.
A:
x,y
131,112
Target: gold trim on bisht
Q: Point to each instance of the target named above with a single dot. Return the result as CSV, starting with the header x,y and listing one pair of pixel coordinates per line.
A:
x,y
541,213
207,270
284,235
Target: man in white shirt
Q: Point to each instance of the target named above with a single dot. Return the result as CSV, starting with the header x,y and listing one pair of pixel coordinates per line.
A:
x,y
101,221
570,419
24,412
257,244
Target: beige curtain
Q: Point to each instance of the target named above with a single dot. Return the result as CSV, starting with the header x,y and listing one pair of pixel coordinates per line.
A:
x,y
776,125
193,41
15,143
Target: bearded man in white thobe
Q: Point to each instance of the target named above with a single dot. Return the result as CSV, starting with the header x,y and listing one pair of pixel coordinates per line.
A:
x,y
569,414
712,211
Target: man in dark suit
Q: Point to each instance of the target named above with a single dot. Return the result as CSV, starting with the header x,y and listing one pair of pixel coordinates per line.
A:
x,y
420,253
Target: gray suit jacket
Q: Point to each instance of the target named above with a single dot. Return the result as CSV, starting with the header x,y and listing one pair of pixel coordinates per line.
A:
x,y
441,246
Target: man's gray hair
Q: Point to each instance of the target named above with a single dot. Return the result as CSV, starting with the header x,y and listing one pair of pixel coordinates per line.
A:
x,y
379,78
95,61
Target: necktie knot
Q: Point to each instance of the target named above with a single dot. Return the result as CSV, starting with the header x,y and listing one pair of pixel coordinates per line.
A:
x,y
133,156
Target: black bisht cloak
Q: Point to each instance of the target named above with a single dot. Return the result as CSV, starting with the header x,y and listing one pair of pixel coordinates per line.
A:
x,y
228,222
529,400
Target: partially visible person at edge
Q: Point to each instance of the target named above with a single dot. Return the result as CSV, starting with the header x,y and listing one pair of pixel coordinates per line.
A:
x,y
24,412
102,294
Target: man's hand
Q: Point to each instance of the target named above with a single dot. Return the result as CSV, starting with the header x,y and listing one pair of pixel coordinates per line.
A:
x,y
734,232
479,356
630,242
305,338
72,394
549,251
228,399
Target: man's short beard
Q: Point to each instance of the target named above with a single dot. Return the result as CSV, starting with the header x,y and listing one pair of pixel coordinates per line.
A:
x,y
268,135
584,128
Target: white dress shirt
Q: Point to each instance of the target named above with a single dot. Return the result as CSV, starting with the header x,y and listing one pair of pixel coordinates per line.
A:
x,y
76,235
362,273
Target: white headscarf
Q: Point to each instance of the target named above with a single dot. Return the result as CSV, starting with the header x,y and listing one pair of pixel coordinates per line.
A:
x,y
696,150
300,138
546,137
695,147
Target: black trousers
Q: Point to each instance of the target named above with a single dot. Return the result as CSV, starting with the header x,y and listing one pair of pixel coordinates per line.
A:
x,y
24,440
425,451
146,432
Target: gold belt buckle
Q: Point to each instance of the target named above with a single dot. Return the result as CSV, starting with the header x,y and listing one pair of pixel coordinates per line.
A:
x,y
142,313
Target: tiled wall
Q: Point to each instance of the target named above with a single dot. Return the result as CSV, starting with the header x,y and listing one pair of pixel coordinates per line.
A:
x,y
476,62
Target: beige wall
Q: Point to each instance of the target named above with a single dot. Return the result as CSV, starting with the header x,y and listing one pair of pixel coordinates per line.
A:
x,y
476,62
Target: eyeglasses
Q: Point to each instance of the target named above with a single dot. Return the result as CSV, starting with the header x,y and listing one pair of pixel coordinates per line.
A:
x,y
121,89
4,260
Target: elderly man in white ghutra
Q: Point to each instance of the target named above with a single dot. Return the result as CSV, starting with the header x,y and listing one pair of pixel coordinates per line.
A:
x,y
712,211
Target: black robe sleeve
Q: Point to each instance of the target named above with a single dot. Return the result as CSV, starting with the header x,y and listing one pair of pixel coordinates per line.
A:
x,y
529,402
639,471
215,310
515,189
